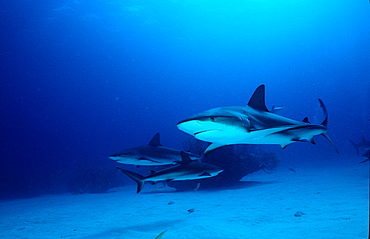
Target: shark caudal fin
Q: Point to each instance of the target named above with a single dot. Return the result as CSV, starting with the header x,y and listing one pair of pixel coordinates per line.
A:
x,y
325,124
134,176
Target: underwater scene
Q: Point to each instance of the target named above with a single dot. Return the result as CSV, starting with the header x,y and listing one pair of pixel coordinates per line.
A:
x,y
185,119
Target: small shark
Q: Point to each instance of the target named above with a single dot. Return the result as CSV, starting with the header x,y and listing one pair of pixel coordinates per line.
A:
x,y
187,170
251,124
366,155
363,145
152,154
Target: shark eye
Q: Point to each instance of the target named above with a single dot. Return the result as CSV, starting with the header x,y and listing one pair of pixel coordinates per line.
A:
x,y
212,119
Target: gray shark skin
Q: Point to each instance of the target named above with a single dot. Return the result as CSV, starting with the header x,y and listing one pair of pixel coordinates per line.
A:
x,y
152,154
251,124
363,145
187,170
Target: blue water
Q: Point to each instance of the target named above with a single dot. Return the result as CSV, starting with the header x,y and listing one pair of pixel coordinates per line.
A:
x,y
81,79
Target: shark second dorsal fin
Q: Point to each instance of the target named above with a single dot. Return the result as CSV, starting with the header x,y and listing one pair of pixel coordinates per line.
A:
x,y
155,142
185,158
257,101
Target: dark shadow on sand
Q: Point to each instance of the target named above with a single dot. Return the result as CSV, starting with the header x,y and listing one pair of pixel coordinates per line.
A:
x,y
120,232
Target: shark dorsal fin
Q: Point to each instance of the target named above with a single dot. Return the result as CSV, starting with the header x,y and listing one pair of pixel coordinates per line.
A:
x,y
155,142
185,157
257,101
306,120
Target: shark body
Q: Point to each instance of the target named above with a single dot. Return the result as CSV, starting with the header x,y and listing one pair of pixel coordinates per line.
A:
x,y
363,145
151,154
187,170
251,124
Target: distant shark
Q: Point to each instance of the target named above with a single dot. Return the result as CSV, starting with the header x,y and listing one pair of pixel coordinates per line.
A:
x,y
187,170
363,145
151,154
251,124
366,155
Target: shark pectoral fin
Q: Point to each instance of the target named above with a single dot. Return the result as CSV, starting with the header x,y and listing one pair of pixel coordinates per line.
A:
x,y
331,142
212,147
134,176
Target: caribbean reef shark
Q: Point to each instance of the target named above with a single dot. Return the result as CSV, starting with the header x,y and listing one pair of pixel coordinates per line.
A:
x,y
152,154
251,124
366,155
187,170
363,145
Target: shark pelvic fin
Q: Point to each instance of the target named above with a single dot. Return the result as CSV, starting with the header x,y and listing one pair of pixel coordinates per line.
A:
x,y
134,176
331,142
257,101
155,142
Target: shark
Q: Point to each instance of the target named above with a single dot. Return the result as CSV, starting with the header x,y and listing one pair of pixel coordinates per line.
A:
x,y
252,124
187,170
151,154
363,145
366,155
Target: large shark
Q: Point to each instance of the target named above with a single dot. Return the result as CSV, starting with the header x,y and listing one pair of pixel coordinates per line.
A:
x,y
363,145
151,154
187,170
251,124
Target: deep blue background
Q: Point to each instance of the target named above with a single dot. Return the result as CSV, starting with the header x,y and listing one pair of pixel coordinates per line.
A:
x,y
82,79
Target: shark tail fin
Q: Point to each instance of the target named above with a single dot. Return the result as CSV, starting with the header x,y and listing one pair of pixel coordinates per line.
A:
x,y
357,147
134,176
325,124
325,111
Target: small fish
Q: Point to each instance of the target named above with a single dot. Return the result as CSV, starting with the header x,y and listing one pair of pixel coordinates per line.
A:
x,y
292,169
161,234
277,109
191,210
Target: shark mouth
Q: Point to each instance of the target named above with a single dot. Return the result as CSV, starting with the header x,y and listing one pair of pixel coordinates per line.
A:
x,y
206,131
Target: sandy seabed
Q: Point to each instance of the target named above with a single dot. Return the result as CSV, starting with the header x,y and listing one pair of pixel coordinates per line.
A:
x,y
327,202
